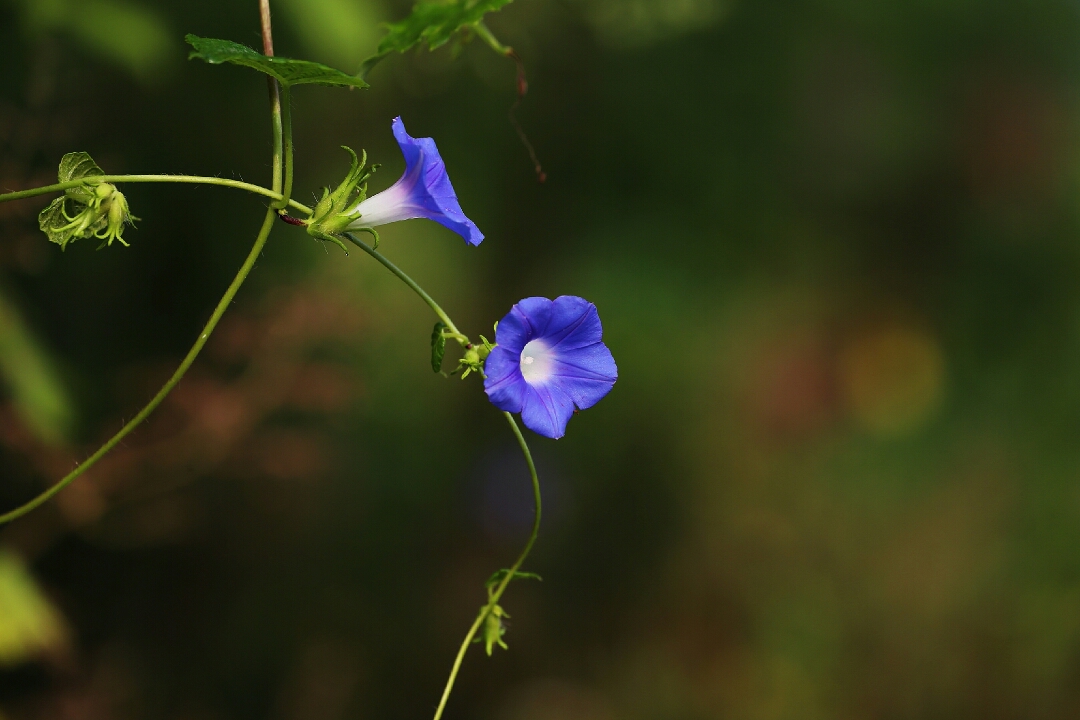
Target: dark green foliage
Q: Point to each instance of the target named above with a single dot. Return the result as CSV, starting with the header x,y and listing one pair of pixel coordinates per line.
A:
x,y
438,346
285,71
498,575
432,23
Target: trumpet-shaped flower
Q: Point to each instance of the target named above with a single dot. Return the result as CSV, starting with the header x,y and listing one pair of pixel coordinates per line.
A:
x,y
424,191
548,359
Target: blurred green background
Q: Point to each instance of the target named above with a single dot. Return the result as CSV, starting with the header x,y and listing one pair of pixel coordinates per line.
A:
x,y
834,245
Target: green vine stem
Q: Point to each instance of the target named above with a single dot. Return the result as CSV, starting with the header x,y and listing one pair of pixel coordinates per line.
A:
x,y
439,312
275,93
226,300
493,600
187,179
286,122
283,200
482,31
494,596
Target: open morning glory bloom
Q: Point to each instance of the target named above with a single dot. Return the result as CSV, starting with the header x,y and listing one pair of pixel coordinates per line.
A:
x,y
547,360
424,191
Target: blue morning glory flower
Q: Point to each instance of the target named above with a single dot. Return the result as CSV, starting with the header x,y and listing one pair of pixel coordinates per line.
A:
x,y
424,191
547,360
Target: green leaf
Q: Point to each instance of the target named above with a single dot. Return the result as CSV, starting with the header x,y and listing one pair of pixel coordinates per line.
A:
x,y
285,71
56,219
52,222
77,165
432,23
497,577
74,166
438,346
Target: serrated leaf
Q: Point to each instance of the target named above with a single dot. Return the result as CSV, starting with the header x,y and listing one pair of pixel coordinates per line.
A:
x,y
432,23
438,346
284,70
53,223
74,166
77,165
498,575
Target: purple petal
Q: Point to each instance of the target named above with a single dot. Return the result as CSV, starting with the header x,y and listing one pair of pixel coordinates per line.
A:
x,y
525,321
586,374
574,323
547,410
423,191
503,383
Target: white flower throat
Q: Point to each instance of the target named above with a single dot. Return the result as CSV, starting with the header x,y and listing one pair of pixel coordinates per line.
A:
x,y
537,362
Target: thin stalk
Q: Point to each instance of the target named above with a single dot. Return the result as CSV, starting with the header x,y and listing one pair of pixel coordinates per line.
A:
x,y
226,299
494,597
275,93
407,280
184,179
286,124
501,587
482,30
275,122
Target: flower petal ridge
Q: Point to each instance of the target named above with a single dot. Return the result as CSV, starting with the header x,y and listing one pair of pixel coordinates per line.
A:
x,y
548,360
423,191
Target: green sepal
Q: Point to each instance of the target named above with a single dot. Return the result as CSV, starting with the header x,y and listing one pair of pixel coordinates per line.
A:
x,y
498,575
438,346
286,71
330,239
491,634
431,23
332,213
474,358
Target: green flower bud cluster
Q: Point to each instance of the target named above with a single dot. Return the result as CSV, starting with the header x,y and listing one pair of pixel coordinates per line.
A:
x,y
475,355
92,209
98,210
494,628
336,209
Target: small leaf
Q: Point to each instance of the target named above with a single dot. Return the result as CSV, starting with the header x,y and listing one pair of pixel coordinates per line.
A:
x,y
74,166
438,346
77,165
497,577
432,23
52,219
287,72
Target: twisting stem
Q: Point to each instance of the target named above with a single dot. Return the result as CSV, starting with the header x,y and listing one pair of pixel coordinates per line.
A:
x,y
183,179
501,587
226,299
407,280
